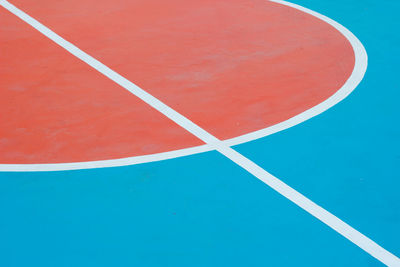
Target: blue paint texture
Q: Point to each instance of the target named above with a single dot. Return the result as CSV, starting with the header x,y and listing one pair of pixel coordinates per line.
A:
x,y
347,159
203,210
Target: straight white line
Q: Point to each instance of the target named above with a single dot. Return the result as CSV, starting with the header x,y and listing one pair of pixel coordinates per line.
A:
x,y
326,217
317,211
360,66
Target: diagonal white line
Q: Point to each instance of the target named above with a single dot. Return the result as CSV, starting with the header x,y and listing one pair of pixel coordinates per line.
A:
x,y
323,215
360,67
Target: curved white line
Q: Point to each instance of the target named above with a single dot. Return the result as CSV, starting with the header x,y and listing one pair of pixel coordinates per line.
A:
x,y
361,62
297,198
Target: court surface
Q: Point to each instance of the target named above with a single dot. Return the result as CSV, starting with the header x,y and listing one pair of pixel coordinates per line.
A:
x,y
199,133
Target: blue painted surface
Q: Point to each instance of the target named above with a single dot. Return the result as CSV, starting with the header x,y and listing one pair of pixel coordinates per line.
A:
x,y
347,159
203,210
196,211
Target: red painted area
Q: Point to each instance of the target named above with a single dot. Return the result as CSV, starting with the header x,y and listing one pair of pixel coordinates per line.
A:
x,y
55,108
232,67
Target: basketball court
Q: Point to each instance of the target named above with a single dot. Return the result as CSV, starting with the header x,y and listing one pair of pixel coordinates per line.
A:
x,y
199,133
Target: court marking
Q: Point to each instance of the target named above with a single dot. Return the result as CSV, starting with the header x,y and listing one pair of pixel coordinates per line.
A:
x,y
323,215
361,62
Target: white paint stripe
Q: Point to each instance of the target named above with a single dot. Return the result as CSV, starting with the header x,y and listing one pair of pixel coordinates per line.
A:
x,y
347,88
104,163
360,67
335,223
323,215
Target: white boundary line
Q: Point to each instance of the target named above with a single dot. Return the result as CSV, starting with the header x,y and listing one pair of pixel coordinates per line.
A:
x,y
335,223
355,78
